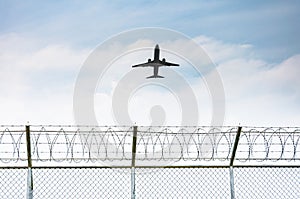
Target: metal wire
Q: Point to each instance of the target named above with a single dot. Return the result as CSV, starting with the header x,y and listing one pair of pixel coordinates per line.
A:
x,y
81,183
183,183
257,182
72,144
170,162
13,183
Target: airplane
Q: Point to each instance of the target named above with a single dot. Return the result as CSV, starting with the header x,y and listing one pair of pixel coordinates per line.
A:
x,y
155,63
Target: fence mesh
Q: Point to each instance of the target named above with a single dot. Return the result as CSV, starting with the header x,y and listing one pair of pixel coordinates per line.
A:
x,y
268,182
13,183
183,183
250,182
81,183
169,162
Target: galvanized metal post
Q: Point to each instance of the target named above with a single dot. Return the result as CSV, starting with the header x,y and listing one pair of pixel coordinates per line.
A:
x,y
29,163
133,162
236,142
232,191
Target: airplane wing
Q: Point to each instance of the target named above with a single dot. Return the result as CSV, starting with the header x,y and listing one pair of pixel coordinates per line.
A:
x,y
169,64
147,64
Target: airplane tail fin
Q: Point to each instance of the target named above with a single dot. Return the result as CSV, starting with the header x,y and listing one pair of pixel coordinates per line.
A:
x,y
155,76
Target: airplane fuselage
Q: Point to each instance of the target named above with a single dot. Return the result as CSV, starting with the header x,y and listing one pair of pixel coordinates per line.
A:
x,y
156,53
156,63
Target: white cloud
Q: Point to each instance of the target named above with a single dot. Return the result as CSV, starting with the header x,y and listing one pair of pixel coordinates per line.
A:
x,y
37,81
258,93
220,51
37,84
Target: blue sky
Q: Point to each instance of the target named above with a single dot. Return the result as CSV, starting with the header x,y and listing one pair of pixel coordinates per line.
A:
x,y
271,26
44,43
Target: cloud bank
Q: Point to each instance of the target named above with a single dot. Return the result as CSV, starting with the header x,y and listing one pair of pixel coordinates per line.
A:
x,y
37,83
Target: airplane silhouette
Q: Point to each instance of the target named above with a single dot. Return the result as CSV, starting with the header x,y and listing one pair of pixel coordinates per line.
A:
x,y
155,63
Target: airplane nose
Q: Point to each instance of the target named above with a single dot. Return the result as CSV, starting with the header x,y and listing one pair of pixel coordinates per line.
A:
x,y
156,46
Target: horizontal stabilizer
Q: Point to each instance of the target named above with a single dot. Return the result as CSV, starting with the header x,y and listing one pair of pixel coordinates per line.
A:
x,y
155,76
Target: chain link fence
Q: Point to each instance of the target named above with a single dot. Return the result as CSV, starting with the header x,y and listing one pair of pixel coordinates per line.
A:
x,y
149,162
267,182
183,183
13,183
81,183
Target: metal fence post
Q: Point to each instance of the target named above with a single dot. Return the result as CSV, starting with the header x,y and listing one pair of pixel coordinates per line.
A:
x,y
133,162
29,161
236,142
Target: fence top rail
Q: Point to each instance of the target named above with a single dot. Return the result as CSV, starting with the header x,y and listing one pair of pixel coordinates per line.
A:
x,y
145,129
145,126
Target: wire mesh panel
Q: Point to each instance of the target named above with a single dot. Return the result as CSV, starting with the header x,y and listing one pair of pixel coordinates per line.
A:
x,y
13,183
170,162
81,183
182,183
269,182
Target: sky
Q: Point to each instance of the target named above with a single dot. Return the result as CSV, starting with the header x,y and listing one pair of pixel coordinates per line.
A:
x,y
254,46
